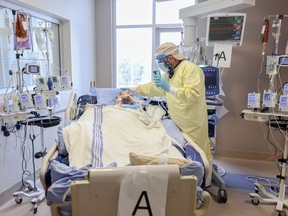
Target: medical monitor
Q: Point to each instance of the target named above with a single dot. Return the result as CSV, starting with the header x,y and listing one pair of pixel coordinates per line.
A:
x,y
225,28
212,84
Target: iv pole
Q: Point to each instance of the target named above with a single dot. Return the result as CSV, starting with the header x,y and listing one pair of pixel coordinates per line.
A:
x,y
31,190
19,72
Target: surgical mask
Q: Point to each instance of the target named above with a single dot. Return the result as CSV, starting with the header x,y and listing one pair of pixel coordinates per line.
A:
x,y
162,67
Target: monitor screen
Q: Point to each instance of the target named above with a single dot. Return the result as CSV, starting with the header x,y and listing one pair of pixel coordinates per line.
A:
x,y
33,69
225,28
212,84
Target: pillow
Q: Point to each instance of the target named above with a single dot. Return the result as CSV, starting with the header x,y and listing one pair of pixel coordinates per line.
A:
x,y
147,160
105,96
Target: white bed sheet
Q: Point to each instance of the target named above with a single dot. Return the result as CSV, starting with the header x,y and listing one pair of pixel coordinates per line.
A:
x,y
107,134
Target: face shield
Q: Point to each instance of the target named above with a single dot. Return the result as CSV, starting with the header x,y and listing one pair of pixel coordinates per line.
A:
x,y
160,57
162,63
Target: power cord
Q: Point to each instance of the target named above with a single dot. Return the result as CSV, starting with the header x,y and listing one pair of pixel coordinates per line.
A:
x,y
272,184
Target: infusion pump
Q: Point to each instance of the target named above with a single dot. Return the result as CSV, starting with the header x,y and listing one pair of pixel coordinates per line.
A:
x,y
26,101
269,100
11,104
40,102
254,100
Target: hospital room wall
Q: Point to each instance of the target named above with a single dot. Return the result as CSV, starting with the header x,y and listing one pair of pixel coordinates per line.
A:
x,y
78,56
237,137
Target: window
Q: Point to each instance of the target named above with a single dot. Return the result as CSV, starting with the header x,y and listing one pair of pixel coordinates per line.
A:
x,y
40,46
136,12
133,56
138,33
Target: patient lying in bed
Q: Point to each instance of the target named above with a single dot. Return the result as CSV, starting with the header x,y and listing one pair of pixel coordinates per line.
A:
x,y
124,97
114,136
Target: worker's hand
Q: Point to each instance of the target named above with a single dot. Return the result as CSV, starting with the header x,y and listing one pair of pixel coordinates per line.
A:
x,y
161,82
131,106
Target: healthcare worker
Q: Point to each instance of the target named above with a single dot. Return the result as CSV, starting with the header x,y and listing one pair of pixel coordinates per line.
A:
x,y
183,84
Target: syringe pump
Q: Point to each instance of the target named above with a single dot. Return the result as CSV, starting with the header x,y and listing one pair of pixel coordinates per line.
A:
x,y
56,82
41,83
253,100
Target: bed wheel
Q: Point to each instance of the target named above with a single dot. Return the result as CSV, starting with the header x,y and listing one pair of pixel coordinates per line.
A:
x,y
18,200
222,196
282,213
35,207
255,201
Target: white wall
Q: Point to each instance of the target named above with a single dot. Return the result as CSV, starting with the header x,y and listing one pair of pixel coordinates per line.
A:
x,y
79,44
104,43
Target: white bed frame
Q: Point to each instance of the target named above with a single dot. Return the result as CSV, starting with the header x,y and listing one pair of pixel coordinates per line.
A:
x,y
181,196
98,194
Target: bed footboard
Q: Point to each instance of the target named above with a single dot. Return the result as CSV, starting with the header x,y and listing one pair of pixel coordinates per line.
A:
x,y
100,192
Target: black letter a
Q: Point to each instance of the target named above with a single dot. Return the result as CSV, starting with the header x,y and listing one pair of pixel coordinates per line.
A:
x,y
148,207
222,55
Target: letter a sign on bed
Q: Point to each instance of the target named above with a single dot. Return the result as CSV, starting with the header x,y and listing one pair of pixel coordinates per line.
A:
x,y
143,193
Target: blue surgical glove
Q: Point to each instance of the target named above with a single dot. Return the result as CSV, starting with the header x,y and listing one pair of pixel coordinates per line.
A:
x,y
161,82
131,106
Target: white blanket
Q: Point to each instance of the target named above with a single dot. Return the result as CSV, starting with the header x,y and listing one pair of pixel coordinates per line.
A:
x,y
108,134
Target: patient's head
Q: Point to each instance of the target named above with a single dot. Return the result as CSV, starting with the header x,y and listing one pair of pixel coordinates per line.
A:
x,y
124,97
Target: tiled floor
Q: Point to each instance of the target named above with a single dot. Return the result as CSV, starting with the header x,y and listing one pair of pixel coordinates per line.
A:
x,y
239,201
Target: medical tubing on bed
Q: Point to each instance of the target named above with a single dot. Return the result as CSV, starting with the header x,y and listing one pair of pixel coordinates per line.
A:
x,y
140,100
161,104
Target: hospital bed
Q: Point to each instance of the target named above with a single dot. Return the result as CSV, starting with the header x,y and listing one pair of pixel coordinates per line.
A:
x,y
85,199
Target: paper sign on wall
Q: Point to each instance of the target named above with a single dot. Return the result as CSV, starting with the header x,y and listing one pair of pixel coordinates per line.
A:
x,y
222,55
